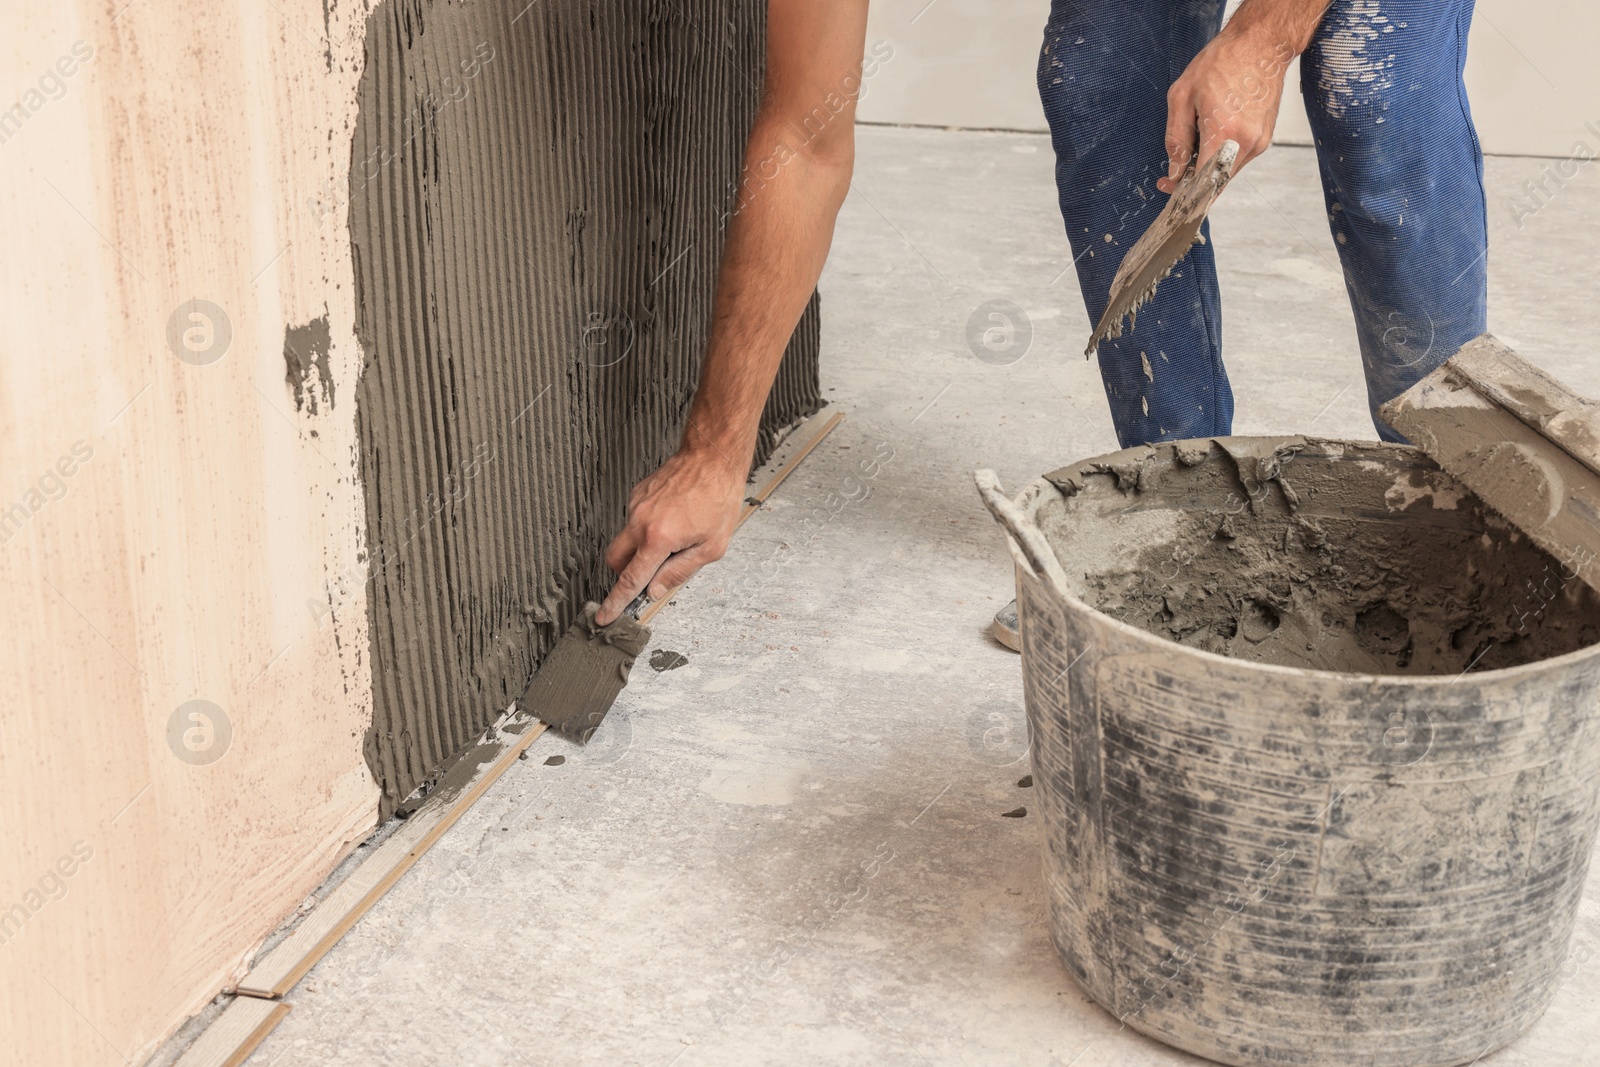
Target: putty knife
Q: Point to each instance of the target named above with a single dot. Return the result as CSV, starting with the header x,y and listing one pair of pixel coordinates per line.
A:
x,y
579,680
1165,243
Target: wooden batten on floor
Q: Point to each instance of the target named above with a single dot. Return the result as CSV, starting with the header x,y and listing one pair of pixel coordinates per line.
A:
x,y
229,1040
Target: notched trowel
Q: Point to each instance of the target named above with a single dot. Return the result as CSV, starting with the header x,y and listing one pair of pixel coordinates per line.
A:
x,y
581,677
1165,243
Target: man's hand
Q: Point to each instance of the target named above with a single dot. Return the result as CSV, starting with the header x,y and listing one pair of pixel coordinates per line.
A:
x,y
679,519
1231,90
796,172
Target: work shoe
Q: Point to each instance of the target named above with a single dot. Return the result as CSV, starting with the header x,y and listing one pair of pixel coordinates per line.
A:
x,y
1006,627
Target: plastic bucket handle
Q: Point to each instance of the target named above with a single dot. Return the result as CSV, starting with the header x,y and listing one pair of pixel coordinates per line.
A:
x,y
1027,540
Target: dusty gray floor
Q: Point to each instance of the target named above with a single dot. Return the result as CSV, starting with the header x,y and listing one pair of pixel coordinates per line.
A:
x,y
792,849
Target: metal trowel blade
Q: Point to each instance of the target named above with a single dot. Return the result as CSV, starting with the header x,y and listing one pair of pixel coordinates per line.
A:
x,y
579,680
1165,243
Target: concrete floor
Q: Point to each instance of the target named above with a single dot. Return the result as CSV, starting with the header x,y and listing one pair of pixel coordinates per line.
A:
x,y
794,848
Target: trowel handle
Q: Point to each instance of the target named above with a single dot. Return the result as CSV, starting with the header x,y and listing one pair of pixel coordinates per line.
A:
x,y
1024,534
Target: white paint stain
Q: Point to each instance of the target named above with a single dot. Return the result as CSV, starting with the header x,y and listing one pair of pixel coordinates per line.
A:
x,y
1353,74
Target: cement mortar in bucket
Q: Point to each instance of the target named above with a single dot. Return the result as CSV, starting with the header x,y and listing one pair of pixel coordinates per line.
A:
x,y
1315,736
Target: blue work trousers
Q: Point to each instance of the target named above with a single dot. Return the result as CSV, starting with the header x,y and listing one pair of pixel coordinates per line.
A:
x,y
1402,176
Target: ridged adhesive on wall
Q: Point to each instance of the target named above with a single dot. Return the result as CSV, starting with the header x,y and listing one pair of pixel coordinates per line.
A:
x,y
537,206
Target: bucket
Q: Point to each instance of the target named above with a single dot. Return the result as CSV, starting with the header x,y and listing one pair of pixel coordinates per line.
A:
x,y
1315,738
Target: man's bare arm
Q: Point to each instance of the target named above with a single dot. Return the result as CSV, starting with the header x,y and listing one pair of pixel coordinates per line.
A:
x,y
796,172
1231,91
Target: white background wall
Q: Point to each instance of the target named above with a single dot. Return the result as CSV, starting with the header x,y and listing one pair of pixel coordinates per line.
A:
x,y
1531,73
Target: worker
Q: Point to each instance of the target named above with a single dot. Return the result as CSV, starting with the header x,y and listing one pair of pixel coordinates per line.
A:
x,y
1133,91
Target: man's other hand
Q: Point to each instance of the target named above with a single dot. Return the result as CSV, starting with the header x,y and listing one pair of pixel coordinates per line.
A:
x,y
679,519
1230,92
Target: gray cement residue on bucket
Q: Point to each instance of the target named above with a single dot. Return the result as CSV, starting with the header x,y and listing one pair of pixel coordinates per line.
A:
x,y
1313,554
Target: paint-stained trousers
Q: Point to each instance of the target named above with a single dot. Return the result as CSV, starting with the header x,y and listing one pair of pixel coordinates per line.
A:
x,y
1402,175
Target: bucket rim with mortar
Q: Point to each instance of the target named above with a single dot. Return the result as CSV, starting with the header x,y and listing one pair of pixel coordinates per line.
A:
x,y
1015,516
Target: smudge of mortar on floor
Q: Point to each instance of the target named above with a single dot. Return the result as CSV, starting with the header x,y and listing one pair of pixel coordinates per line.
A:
x,y
536,215
664,659
305,349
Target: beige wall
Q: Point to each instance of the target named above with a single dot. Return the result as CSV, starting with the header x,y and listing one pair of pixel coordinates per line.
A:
x,y
176,519
956,63
1531,73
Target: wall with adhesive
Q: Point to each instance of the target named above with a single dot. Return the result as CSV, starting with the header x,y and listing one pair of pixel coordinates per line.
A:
x,y
536,210
312,424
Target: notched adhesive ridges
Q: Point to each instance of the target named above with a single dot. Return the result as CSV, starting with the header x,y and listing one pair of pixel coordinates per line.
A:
x,y
537,202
